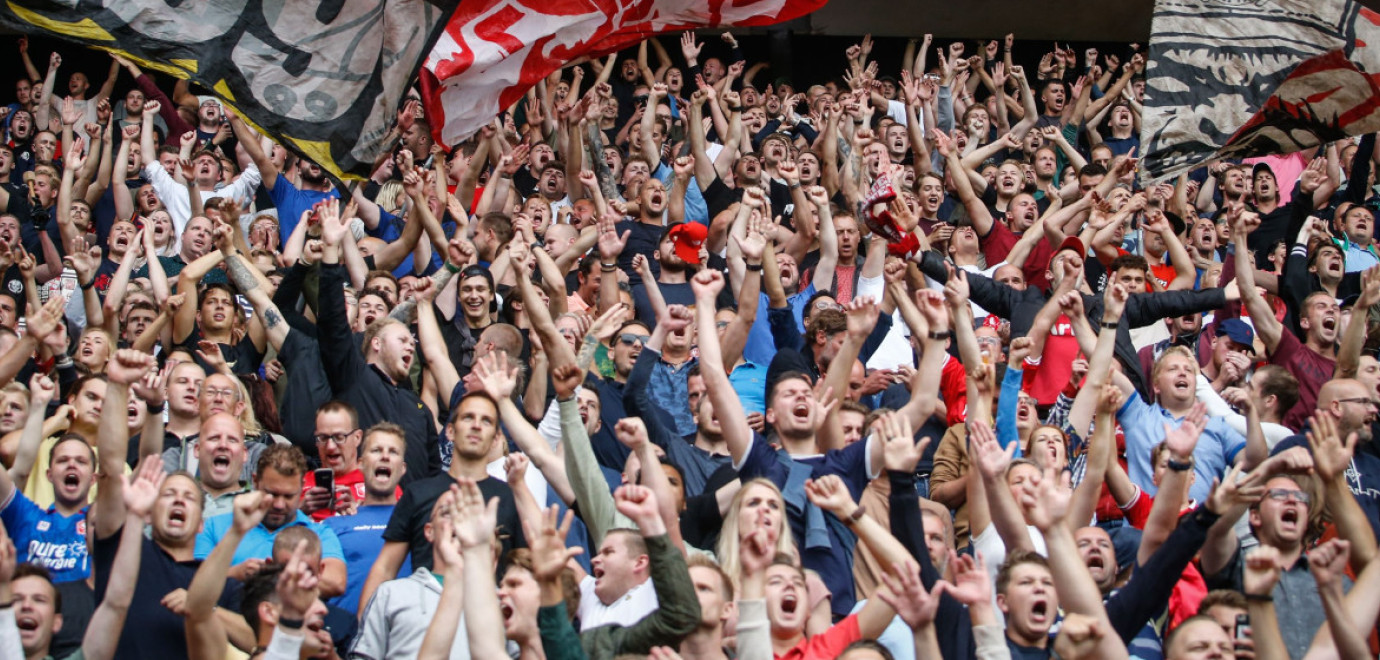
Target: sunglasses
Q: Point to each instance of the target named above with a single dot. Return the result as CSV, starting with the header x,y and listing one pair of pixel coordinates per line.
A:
x,y
629,339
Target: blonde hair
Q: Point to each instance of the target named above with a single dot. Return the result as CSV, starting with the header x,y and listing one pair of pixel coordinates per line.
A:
x,y
1180,351
729,545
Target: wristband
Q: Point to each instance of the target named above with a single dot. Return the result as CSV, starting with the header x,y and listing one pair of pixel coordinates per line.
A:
x,y
754,268
156,410
88,285
1180,466
856,515
947,334
1111,324
1260,598
294,624
795,185
452,268
735,108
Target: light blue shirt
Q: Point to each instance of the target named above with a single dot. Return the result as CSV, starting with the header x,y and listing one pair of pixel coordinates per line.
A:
x,y
1143,425
258,543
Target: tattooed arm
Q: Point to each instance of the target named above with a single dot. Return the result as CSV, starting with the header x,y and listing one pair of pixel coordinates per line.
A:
x,y
254,287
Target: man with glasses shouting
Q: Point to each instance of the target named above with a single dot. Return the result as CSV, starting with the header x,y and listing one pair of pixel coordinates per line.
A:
x,y
338,438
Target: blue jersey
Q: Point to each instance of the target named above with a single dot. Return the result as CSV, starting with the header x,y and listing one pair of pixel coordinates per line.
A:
x,y
361,537
48,538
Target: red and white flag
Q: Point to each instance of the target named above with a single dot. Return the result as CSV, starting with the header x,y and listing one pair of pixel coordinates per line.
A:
x,y
493,51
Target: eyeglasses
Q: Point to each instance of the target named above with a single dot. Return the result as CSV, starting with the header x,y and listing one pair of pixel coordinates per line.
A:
x,y
629,339
1364,401
1285,495
221,394
332,438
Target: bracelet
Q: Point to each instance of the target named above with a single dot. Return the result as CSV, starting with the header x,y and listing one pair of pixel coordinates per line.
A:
x,y
754,268
155,410
295,624
947,334
1179,466
795,185
1111,324
608,268
1260,598
856,515
452,268
88,285
735,108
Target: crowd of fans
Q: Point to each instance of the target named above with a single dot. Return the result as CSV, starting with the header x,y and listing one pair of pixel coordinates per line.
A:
x,y
677,360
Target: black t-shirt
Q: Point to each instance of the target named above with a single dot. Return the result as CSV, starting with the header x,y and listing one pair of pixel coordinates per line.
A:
x,y
413,511
151,630
643,239
243,357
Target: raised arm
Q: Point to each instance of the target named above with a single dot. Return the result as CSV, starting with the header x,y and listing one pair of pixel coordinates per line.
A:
x,y
126,367
1048,509
140,493
737,434
475,521
1267,327
499,378
977,210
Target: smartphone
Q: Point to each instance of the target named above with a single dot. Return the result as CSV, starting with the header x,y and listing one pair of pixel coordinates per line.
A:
x,y
1243,627
325,478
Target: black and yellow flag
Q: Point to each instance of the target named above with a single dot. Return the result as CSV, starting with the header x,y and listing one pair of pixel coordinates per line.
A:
x,y
324,78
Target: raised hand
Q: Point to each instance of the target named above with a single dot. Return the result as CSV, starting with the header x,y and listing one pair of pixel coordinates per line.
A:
x,y
297,585
128,366
632,433
1263,567
475,521
829,493
549,554
1182,440
1079,636
249,510
638,504
611,244
988,454
1328,562
706,286
972,585
902,451
1331,453
754,245
862,314
1048,505
906,594
141,488
931,304
1231,491
676,318
565,379
497,375
1114,301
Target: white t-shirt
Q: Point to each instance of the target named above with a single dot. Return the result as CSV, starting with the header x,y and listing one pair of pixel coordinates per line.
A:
x,y
990,545
627,610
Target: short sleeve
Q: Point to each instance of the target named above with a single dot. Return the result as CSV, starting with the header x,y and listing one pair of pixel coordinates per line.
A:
x,y
330,543
400,522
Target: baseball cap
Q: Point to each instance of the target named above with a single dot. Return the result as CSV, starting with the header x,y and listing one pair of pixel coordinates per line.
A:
x,y
1072,243
688,238
1240,332
1262,165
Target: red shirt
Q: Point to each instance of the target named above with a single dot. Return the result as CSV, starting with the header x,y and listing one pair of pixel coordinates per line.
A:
x,y
1309,367
953,385
828,644
997,244
353,479
1055,365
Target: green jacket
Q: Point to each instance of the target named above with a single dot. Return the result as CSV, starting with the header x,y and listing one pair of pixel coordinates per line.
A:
x,y
675,618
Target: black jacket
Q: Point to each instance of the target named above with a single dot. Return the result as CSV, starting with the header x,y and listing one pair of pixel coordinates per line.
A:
x,y
375,397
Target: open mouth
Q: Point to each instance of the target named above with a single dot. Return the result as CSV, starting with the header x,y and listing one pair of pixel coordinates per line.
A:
x,y
407,360
26,623
71,480
506,610
1039,611
177,517
801,411
598,572
220,461
383,472
1290,517
1095,562
1329,323
789,603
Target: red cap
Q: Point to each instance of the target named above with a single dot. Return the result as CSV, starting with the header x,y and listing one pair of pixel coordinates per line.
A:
x,y
688,238
1073,243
